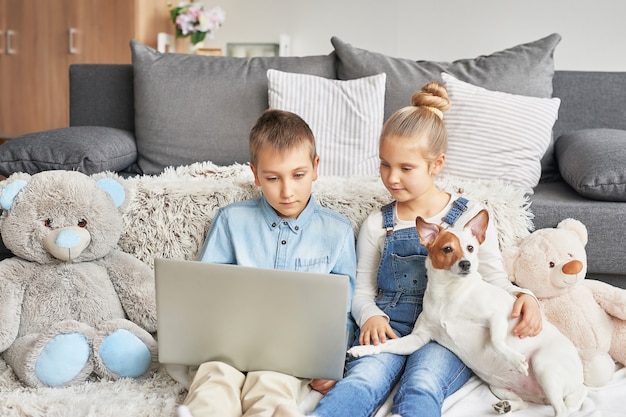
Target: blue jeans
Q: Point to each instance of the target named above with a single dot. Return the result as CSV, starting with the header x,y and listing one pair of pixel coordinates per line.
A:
x,y
426,378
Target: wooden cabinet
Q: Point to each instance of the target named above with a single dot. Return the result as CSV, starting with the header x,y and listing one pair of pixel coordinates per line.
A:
x,y
4,94
24,65
41,38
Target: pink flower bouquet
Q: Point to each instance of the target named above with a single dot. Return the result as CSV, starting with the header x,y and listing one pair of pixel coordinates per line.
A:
x,y
191,19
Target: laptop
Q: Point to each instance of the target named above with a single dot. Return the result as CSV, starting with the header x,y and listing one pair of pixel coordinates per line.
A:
x,y
251,318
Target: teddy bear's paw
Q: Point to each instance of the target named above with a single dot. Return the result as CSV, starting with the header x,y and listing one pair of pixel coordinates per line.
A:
x,y
58,356
64,359
124,355
598,370
122,349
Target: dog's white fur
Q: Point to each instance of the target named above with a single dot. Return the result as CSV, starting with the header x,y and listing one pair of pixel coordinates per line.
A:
x,y
472,318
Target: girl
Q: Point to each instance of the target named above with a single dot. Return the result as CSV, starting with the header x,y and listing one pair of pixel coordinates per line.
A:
x,y
391,275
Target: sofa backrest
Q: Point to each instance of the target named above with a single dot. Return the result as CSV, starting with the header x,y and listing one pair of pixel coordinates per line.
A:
x,y
102,95
590,99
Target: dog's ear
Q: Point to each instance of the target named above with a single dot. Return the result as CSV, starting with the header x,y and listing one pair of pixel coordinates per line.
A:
x,y
427,232
478,225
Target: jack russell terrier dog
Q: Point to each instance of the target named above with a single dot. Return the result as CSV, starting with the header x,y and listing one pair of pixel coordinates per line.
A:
x,y
472,318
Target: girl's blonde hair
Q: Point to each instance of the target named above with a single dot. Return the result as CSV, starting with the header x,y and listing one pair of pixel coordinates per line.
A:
x,y
422,119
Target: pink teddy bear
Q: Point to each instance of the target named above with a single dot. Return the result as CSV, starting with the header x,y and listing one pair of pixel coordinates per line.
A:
x,y
552,263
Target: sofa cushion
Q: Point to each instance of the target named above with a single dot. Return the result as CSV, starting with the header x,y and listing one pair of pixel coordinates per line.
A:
x,y
88,149
525,69
492,134
591,161
192,108
346,117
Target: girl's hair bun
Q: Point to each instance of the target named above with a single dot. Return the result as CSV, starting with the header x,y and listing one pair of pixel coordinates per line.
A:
x,y
432,96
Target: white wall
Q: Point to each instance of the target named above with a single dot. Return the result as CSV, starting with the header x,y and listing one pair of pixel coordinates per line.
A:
x,y
594,32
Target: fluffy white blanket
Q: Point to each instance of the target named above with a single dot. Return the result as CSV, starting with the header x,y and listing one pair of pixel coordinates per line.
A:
x,y
168,216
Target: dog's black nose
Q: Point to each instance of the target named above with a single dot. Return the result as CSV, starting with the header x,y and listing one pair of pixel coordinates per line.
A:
x,y
465,265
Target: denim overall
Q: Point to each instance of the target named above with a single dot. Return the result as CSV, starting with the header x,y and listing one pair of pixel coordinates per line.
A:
x,y
402,273
427,376
401,276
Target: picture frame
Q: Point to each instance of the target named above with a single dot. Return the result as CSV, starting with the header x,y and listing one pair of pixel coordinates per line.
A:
x,y
248,50
209,51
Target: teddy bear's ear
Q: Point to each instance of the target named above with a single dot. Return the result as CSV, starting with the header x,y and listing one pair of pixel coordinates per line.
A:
x,y
8,194
509,257
114,189
575,226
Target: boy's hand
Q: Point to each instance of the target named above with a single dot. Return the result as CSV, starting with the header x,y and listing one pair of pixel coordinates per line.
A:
x,y
322,385
531,322
376,330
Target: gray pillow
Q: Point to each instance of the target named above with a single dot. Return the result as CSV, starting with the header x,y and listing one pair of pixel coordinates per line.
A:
x,y
87,149
524,69
191,108
592,162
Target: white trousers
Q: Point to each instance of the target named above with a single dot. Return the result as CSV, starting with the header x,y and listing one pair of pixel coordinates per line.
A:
x,y
219,390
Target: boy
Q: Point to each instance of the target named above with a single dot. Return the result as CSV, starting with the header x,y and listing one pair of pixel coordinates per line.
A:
x,y
283,229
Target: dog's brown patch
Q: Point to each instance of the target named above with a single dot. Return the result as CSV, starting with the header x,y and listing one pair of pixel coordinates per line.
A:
x,y
445,250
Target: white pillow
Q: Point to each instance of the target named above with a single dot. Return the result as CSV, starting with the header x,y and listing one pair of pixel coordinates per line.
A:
x,y
492,134
346,117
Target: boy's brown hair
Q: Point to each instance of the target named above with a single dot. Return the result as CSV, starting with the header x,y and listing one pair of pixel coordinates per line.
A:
x,y
280,130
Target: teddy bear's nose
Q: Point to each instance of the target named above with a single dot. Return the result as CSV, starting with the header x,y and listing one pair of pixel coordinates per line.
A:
x,y
67,243
572,267
68,239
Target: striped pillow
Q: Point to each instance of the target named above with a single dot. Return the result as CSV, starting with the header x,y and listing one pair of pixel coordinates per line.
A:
x,y
492,134
346,117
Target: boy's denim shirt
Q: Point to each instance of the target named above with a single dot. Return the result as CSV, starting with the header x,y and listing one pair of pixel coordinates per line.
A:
x,y
250,233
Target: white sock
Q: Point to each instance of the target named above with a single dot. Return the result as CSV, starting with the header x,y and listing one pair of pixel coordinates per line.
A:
x,y
183,411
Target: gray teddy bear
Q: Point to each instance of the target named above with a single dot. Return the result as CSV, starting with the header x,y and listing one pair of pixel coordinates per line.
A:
x,y
71,303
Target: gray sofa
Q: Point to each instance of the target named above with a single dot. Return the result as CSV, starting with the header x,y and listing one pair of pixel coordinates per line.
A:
x,y
139,118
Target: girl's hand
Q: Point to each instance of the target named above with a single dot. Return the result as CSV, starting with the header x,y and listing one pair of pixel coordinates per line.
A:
x,y
530,323
376,330
322,385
